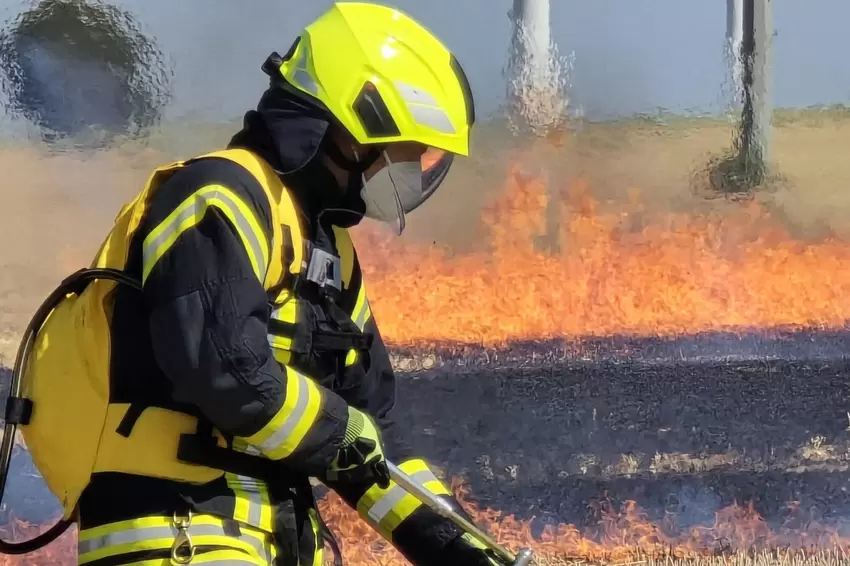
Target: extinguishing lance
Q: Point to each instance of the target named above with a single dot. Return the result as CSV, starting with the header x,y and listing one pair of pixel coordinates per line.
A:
x,y
444,509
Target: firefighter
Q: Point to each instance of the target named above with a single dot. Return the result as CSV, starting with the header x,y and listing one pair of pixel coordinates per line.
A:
x,y
243,359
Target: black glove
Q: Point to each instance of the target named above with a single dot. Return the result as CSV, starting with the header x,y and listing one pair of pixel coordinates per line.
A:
x,y
360,458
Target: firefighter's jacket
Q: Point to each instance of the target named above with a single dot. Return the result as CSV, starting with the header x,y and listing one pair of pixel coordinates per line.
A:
x,y
253,323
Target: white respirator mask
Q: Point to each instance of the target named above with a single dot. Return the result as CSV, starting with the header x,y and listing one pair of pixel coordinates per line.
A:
x,y
393,191
400,187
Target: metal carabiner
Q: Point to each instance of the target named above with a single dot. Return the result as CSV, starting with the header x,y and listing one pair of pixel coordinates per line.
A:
x,y
182,550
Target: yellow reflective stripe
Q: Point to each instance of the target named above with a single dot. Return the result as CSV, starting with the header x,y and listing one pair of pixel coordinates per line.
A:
x,y
214,558
362,312
282,356
226,558
282,345
286,312
347,255
191,211
360,315
157,533
252,504
386,509
351,358
282,342
284,433
319,551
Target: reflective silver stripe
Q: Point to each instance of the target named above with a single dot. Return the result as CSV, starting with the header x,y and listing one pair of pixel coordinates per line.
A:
x,y
249,489
415,95
432,117
291,421
278,314
248,449
142,534
225,561
288,309
306,81
302,77
382,507
424,108
199,202
362,315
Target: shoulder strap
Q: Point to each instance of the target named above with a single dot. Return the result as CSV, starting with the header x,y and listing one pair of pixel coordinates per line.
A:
x,y
288,232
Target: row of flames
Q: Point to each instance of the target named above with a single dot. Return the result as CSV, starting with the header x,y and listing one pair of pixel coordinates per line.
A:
x,y
629,271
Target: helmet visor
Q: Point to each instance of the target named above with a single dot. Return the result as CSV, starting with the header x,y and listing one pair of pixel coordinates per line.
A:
x,y
435,165
401,187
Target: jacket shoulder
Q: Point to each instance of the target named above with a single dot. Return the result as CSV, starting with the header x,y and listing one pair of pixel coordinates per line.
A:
x,y
202,173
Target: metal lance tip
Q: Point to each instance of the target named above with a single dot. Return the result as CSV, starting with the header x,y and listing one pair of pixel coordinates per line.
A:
x,y
442,507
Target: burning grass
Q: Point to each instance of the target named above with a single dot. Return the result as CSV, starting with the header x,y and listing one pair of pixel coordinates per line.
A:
x,y
621,536
621,270
739,536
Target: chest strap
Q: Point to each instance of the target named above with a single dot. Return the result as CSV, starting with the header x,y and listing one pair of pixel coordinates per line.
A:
x,y
203,447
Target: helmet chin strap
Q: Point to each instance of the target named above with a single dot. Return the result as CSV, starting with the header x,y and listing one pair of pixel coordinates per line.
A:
x,y
355,167
350,201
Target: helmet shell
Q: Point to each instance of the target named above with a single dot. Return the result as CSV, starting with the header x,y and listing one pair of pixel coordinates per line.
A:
x,y
383,76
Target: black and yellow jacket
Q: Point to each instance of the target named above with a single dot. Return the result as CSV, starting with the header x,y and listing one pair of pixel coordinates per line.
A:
x,y
231,331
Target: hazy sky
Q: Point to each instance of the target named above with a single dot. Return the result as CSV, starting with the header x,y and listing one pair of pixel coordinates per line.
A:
x,y
630,55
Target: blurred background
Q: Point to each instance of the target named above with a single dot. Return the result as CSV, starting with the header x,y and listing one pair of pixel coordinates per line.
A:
x,y
638,57
595,164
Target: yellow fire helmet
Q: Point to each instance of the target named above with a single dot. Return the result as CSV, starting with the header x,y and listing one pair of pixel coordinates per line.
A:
x,y
386,79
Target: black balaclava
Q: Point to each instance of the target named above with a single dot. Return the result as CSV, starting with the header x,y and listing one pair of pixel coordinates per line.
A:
x,y
292,136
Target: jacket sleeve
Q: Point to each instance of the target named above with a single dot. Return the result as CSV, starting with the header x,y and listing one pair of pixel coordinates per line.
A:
x,y
205,244
421,535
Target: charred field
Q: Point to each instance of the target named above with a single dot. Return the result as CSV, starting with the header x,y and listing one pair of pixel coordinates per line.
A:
x,y
676,436
731,448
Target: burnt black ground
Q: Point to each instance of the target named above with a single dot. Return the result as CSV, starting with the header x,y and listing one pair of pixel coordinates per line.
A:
x,y
546,441
549,435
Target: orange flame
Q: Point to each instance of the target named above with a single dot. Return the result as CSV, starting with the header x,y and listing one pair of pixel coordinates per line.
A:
x,y
619,537
623,272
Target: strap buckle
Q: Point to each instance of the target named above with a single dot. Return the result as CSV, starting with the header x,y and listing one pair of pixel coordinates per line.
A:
x,y
325,270
182,550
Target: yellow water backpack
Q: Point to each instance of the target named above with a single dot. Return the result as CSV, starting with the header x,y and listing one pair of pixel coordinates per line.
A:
x,y
61,374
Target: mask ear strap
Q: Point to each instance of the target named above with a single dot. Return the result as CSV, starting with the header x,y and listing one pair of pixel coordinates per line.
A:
x,y
399,207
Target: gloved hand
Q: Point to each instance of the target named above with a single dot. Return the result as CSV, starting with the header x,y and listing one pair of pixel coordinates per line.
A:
x,y
469,551
360,458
